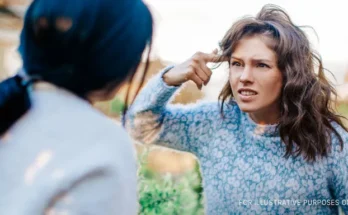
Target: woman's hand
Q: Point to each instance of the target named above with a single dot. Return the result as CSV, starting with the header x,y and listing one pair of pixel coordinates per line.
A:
x,y
194,69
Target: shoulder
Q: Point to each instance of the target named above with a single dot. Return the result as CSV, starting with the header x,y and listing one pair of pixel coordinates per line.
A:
x,y
111,156
339,152
72,127
110,145
104,170
335,138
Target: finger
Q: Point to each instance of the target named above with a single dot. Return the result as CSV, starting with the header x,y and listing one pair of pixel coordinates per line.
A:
x,y
214,58
206,70
200,73
197,80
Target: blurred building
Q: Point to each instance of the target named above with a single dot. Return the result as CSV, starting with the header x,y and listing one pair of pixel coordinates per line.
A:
x,y
10,26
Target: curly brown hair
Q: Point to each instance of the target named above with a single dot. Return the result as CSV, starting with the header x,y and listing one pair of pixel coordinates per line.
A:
x,y
307,112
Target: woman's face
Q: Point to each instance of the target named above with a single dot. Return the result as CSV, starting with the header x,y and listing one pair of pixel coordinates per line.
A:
x,y
255,79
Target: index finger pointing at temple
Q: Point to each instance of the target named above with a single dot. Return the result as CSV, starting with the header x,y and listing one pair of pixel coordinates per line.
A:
x,y
214,58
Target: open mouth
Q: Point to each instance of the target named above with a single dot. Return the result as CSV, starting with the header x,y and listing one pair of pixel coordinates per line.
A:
x,y
246,94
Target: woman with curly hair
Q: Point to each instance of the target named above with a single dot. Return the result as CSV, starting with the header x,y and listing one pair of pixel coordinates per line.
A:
x,y
273,144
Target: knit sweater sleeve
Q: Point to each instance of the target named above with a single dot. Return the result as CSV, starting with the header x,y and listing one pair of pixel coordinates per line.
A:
x,y
339,168
152,119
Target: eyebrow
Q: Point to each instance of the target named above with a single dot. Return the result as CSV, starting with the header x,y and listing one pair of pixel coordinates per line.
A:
x,y
256,60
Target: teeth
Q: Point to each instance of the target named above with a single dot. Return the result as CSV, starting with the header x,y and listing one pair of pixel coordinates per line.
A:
x,y
247,93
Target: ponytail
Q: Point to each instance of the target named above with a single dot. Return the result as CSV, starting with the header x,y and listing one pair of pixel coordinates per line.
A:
x,y
14,100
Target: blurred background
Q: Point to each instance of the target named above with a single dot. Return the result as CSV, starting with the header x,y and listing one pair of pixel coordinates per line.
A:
x,y
169,181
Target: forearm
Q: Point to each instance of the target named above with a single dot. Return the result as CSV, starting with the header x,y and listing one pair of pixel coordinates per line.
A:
x,y
145,116
153,120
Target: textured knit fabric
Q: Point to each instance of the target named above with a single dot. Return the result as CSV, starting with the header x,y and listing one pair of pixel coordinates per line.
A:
x,y
65,157
242,163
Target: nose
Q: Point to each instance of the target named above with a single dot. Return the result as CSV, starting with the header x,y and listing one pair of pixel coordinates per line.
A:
x,y
247,75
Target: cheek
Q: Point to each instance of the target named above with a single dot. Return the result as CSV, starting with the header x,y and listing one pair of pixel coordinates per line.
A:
x,y
274,87
279,83
233,79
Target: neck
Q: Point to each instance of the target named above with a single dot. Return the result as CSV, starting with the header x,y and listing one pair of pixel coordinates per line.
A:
x,y
265,118
44,86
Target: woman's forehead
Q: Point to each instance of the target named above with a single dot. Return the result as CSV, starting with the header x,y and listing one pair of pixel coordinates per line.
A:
x,y
255,48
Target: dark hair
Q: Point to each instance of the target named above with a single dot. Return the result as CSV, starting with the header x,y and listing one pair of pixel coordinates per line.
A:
x,y
82,46
307,115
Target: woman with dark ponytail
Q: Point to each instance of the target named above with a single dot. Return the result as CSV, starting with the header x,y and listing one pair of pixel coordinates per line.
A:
x,y
57,153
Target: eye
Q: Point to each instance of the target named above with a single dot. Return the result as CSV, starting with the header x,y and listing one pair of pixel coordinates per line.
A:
x,y
235,63
262,65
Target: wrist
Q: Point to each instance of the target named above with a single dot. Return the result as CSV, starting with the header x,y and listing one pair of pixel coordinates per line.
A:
x,y
166,77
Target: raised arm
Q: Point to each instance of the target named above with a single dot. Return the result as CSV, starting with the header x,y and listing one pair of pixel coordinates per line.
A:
x,y
151,119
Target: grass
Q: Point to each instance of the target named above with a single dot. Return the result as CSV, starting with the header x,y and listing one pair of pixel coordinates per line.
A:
x,y
168,194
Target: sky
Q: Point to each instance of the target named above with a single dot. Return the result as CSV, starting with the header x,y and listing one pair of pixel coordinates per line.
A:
x,y
200,24
183,27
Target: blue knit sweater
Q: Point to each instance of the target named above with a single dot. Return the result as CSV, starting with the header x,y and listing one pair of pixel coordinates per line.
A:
x,y
242,163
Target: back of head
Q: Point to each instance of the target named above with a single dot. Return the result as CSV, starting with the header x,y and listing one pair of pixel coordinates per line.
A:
x,y
84,44
80,45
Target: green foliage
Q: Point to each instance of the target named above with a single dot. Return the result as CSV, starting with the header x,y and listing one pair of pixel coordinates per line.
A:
x,y
168,194
343,109
117,106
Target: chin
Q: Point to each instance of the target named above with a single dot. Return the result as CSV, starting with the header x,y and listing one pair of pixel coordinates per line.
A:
x,y
247,108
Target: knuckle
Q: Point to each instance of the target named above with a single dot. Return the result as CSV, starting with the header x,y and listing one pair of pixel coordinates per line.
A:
x,y
189,74
191,69
197,55
195,59
194,65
